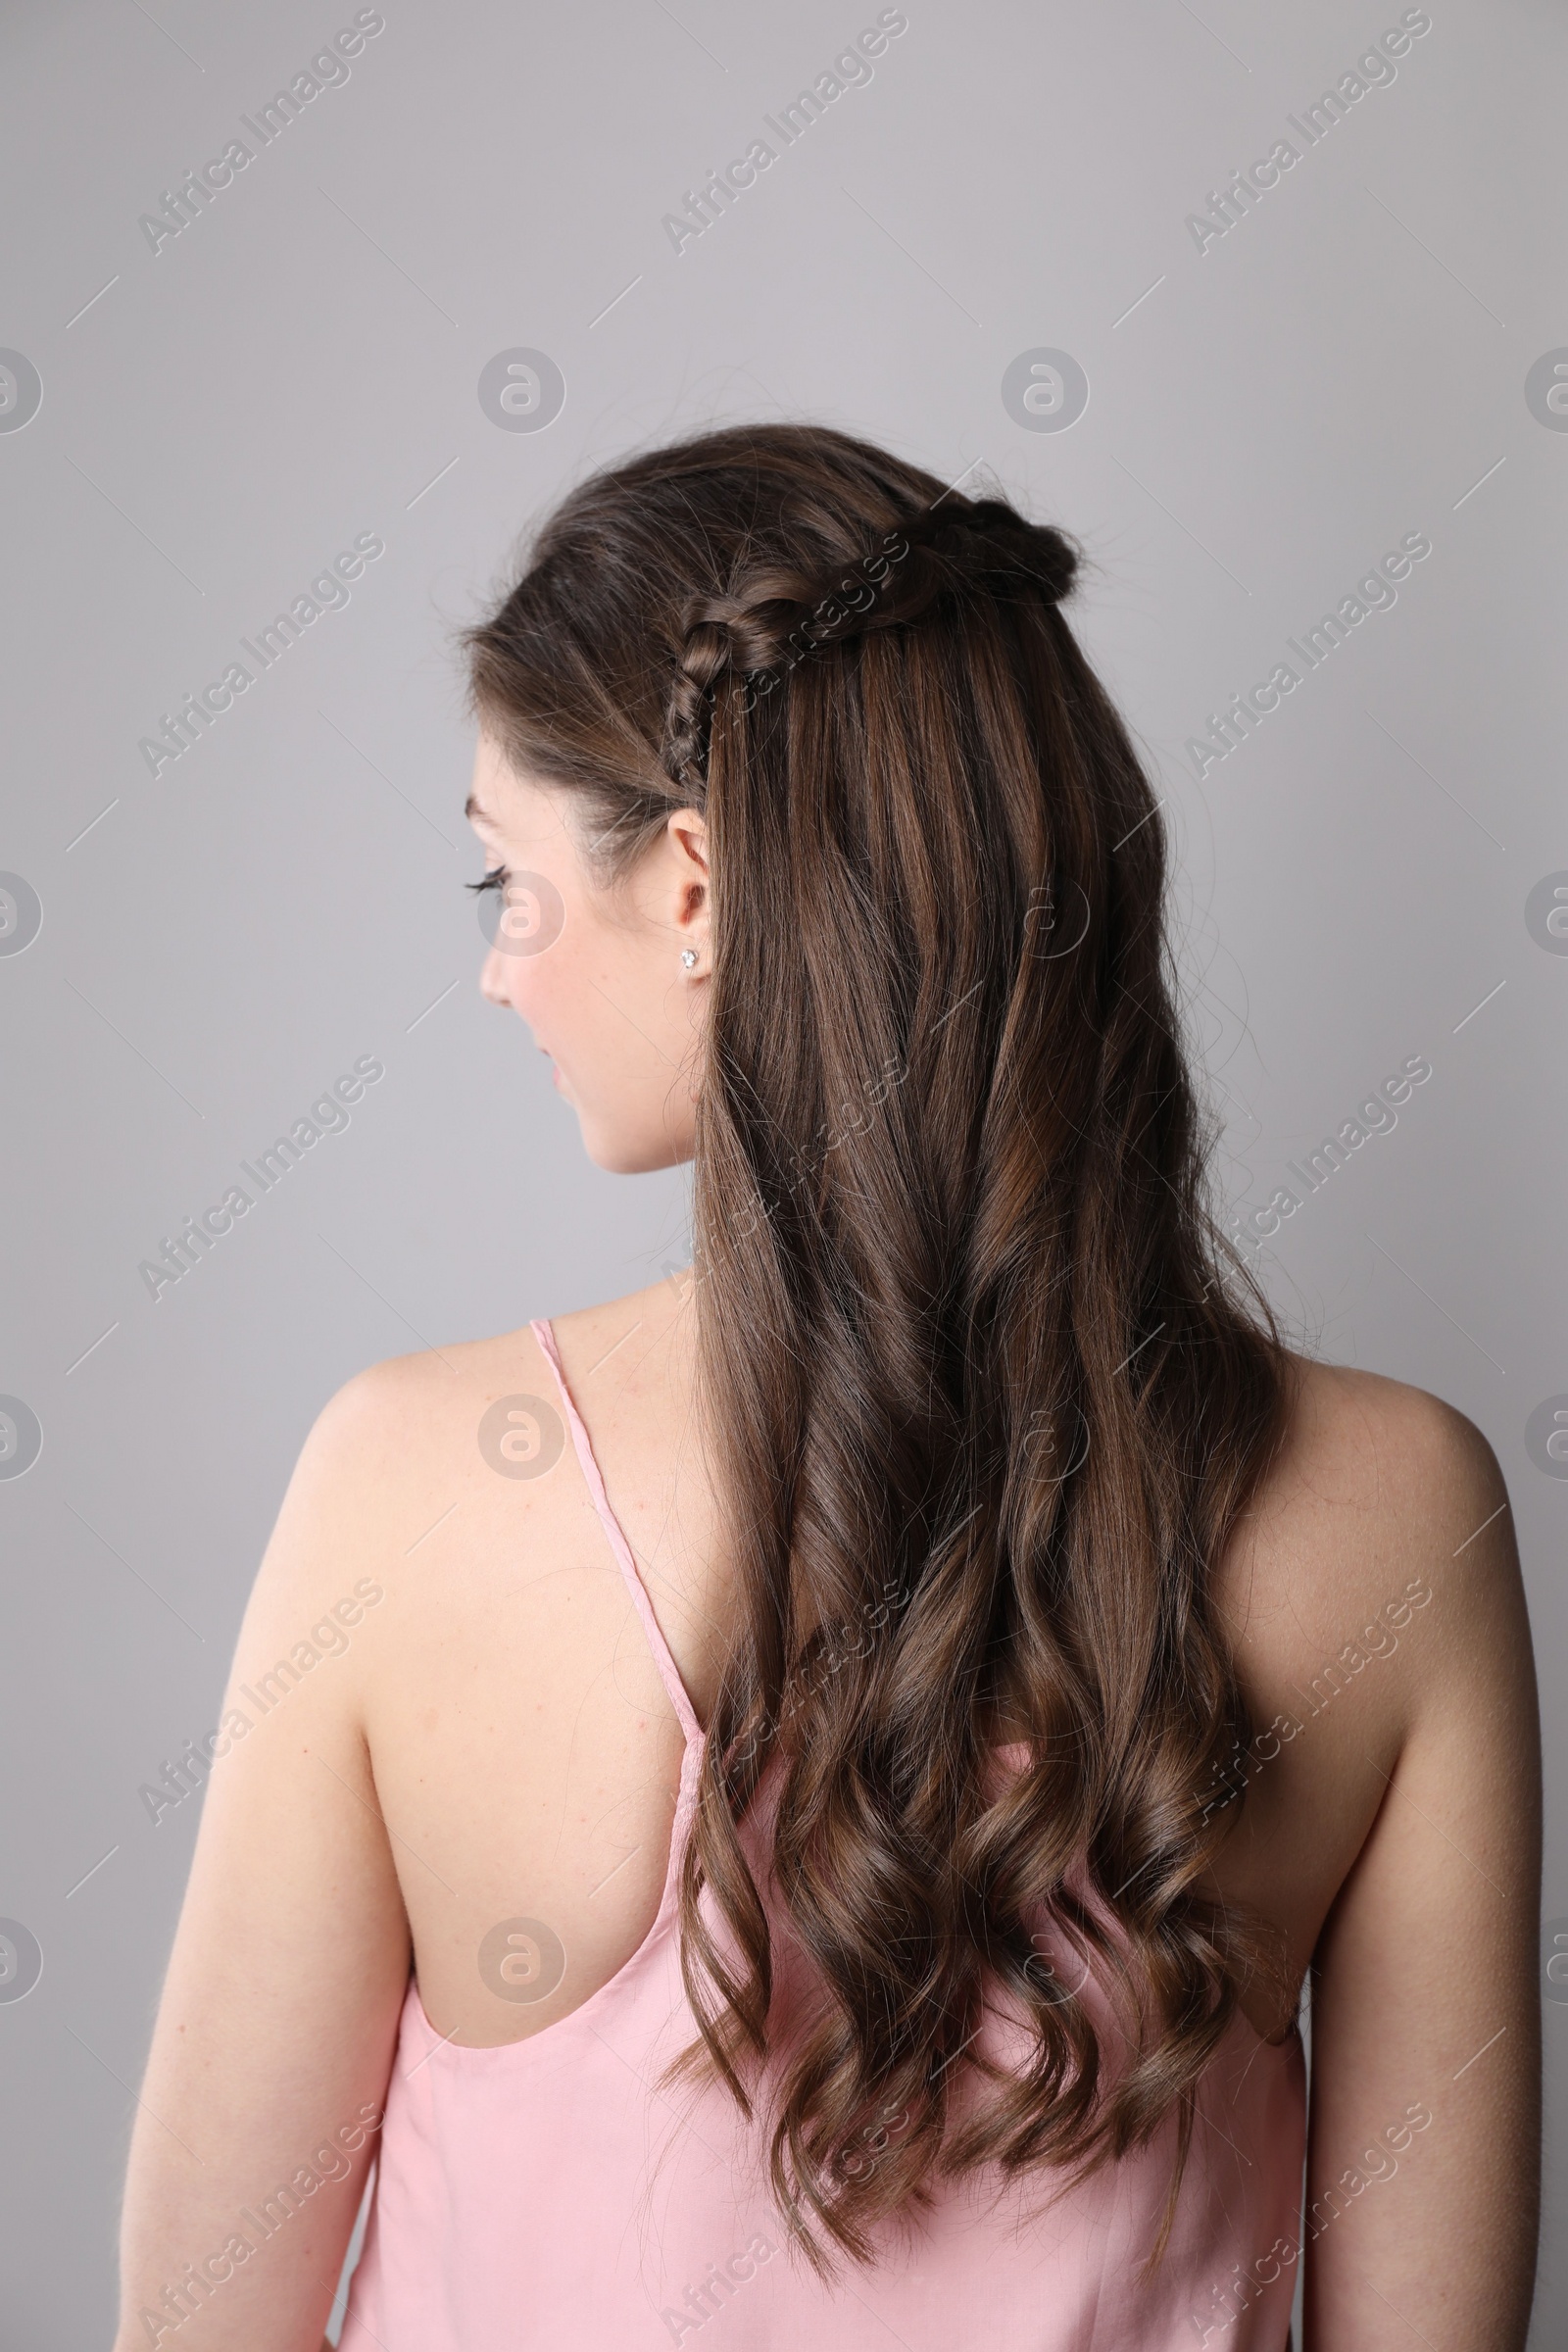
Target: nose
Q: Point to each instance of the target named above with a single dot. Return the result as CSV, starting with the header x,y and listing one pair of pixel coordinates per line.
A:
x,y
493,979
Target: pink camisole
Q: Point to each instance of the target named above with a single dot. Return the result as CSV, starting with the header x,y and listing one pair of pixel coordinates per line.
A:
x,y
552,2192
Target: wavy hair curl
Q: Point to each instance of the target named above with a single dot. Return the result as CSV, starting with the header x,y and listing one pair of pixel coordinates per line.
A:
x,y
982,1380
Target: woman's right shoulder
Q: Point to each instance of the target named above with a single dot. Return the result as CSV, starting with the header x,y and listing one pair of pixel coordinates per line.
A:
x,y
386,1418
408,1440
387,1411
401,1456
399,1423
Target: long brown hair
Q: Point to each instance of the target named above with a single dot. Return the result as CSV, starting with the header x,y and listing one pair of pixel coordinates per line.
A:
x,y
985,1388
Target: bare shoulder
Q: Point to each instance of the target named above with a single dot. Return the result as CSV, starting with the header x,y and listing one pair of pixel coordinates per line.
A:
x,y
390,1426
1392,1829
445,1433
399,1429
1385,1438
407,1466
1383,1502
1359,1442
1373,1607
385,1419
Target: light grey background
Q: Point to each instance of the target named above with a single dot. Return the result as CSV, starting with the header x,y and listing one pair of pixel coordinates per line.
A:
x,y
300,365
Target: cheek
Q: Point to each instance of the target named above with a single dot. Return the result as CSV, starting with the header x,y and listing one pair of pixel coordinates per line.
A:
x,y
559,990
539,987
529,961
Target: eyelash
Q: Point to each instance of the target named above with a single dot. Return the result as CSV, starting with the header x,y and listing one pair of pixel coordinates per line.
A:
x,y
495,878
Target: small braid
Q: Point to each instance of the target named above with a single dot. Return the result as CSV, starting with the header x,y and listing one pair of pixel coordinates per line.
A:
x,y
774,618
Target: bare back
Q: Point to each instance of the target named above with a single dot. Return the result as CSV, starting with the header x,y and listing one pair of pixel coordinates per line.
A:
x,y
496,1745
526,1754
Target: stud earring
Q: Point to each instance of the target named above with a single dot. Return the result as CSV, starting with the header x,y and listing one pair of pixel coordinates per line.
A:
x,y
688,956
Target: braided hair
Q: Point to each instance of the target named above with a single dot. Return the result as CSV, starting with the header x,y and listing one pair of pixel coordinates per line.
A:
x,y
769,619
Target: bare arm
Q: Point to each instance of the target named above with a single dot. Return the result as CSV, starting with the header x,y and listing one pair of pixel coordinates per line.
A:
x,y
279,2013
1423,2169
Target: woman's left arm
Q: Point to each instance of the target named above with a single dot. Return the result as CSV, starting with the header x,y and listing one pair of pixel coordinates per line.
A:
x,y
1423,2168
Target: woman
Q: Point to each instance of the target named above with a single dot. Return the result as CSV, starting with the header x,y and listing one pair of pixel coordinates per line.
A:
x,y
861,1747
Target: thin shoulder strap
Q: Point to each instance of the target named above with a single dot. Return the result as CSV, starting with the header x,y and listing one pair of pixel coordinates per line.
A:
x,y
668,1671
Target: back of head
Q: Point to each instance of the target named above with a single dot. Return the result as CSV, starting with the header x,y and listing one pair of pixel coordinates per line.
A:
x,y
985,1389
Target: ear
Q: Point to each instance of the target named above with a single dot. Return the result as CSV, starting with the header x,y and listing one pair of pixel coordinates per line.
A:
x,y
687,836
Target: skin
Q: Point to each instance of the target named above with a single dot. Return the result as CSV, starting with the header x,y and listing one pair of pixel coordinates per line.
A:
x,y
494,1742
609,1000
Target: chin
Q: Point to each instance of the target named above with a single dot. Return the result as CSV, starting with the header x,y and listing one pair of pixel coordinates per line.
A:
x,y
621,1152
